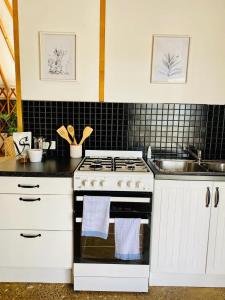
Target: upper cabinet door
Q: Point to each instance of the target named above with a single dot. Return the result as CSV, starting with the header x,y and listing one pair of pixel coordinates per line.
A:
x,y
216,248
180,224
130,26
80,17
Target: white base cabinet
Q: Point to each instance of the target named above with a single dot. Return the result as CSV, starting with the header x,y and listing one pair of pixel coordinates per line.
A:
x,y
36,229
188,233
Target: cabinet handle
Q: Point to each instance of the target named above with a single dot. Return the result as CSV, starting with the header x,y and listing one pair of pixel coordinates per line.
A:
x,y
208,195
29,199
30,236
217,197
28,186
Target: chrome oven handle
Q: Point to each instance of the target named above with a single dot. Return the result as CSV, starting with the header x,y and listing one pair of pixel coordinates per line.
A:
x,y
143,221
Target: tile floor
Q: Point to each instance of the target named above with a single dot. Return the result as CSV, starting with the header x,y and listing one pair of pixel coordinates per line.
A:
x,y
35,291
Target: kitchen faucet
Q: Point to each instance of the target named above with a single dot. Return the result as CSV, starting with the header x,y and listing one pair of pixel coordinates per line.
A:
x,y
198,156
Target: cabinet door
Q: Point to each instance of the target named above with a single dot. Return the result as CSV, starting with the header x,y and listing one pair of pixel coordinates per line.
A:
x,y
180,226
216,248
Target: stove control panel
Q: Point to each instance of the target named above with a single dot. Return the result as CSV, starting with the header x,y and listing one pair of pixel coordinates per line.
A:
x,y
111,182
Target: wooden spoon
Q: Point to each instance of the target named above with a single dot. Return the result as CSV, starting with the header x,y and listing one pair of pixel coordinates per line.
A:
x,y
86,133
64,134
71,131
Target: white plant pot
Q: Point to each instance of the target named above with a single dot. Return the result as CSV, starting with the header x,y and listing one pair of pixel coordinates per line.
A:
x,y
35,155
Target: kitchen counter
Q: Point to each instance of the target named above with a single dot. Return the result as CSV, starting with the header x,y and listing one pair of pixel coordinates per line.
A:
x,y
198,176
54,167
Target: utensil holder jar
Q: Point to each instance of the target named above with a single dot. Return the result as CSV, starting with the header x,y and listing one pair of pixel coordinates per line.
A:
x,y
75,151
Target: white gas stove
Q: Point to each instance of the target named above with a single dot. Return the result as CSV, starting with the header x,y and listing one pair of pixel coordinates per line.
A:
x,y
113,171
125,177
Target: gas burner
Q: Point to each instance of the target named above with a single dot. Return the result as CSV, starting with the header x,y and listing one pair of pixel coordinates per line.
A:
x,y
95,166
101,164
97,161
131,167
129,162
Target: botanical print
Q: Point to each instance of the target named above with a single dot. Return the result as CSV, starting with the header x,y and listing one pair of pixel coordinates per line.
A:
x,y
58,62
58,56
170,58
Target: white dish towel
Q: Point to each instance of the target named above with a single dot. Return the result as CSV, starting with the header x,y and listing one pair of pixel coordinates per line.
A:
x,y
127,238
95,216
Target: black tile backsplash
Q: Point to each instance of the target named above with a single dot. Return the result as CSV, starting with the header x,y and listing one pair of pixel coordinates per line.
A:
x,y
168,128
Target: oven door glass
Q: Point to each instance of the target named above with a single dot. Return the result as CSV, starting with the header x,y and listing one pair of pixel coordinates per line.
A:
x,y
97,250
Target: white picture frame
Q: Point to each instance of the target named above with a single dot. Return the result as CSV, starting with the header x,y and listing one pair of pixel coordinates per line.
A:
x,y
57,56
169,59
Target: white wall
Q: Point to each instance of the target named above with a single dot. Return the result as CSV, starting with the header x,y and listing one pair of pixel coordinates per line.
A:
x,y
129,29
5,57
130,25
78,16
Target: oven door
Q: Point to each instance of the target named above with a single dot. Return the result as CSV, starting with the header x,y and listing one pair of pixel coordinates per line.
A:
x,y
123,205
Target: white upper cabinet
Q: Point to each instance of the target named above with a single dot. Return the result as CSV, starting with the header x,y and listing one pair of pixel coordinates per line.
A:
x,y
80,17
130,26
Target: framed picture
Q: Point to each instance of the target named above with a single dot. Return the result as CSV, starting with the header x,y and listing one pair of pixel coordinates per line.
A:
x,y
169,59
57,56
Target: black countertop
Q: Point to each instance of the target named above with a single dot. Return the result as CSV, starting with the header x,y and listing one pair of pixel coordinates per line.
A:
x,y
54,167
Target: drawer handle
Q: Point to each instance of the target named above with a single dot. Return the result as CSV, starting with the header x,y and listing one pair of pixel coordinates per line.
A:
x,y
30,236
29,199
28,186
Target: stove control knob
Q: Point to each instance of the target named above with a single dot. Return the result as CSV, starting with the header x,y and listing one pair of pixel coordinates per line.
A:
x,y
102,183
93,183
129,183
84,183
139,184
120,183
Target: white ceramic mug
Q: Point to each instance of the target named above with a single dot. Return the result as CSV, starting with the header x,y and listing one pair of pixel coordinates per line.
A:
x,y
35,155
75,151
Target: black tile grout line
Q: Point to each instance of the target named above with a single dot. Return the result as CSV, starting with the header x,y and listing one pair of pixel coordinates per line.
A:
x,y
106,124
100,137
217,129
221,146
128,131
139,130
111,137
200,130
145,147
122,130
117,110
211,134
206,131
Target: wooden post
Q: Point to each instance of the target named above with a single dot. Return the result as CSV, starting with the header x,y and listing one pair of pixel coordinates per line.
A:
x,y
5,34
102,51
8,5
17,66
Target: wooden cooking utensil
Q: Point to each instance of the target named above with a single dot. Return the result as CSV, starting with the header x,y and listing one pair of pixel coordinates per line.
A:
x,y
64,134
71,131
86,133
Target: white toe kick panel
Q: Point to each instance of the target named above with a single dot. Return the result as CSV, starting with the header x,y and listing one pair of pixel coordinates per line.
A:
x,y
109,277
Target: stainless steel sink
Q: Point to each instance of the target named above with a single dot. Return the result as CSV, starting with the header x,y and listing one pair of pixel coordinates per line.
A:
x,y
214,166
178,166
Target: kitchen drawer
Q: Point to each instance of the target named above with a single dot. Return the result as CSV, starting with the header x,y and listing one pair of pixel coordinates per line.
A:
x,y
52,249
36,185
51,212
